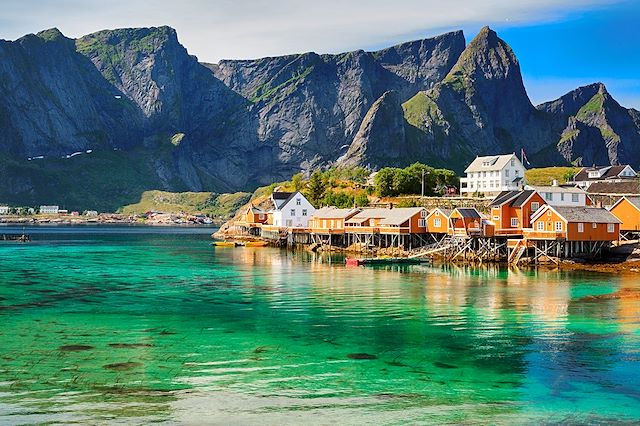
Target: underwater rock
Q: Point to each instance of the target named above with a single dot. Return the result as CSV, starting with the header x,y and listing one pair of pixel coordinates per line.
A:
x,y
122,366
75,348
130,345
443,365
361,356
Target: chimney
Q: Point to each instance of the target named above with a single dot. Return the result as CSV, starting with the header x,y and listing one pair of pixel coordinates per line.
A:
x,y
555,182
390,206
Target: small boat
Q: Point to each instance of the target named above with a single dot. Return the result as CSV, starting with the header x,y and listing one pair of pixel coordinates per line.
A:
x,y
256,244
382,261
224,244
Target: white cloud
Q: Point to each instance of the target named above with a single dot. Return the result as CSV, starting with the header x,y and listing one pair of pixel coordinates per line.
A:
x,y
247,29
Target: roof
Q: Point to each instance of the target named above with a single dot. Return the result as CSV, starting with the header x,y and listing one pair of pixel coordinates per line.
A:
x,y
580,214
522,198
630,187
496,162
610,172
280,199
565,189
469,212
504,197
445,212
334,213
633,199
394,216
281,195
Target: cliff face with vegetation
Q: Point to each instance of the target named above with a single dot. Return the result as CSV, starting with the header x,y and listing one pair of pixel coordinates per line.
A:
x,y
94,122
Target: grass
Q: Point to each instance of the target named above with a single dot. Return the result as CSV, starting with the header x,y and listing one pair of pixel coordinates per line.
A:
x,y
546,175
591,108
223,205
265,91
419,108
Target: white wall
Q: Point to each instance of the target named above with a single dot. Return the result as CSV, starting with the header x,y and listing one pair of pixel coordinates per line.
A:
x,y
291,214
557,199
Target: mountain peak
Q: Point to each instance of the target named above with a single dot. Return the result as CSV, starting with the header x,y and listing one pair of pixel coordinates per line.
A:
x,y
52,34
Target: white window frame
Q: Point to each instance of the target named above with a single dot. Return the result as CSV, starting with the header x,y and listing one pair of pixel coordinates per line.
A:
x,y
535,205
423,213
304,212
594,225
548,196
437,222
611,228
293,212
298,201
514,222
580,227
575,198
541,226
559,227
422,223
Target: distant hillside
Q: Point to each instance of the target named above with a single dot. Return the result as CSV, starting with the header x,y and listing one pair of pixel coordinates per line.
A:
x,y
221,206
94,122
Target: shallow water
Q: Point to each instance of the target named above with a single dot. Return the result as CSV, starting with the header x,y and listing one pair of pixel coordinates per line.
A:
x,y
134,325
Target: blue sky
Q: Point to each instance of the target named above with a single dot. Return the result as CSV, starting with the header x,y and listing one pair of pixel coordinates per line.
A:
x,y
561,44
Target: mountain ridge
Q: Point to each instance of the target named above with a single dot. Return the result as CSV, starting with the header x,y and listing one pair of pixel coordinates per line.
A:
x,y
135,102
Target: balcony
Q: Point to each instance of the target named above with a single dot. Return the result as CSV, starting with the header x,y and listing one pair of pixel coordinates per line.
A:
x,y
544,235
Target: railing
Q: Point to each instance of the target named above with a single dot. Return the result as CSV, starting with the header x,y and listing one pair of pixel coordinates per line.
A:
x,y
376,230
544,235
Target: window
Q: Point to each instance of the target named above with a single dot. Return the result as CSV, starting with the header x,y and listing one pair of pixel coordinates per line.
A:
x,y
535,206
298,201
581,227
261,216
594,225
293,212
541,226
513,162
437,222
611,228
422,223
562,196
437,213
423,213
484,174
548,196
304,212
496,218
289,222
548,212
575,198
558,226
514,222
506,172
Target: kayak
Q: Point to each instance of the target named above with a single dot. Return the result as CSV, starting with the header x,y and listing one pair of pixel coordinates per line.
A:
x,y
256,244
224,244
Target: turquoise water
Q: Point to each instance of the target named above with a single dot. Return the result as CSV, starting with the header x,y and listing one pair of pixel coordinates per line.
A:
x,y
139,325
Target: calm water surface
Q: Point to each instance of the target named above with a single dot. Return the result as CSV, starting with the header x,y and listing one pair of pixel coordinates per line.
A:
x,y
139,325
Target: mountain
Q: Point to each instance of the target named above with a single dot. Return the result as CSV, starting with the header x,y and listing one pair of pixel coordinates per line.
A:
x,y
598,130
96,121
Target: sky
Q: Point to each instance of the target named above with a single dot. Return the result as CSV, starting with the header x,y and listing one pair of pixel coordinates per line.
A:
x,y
561,44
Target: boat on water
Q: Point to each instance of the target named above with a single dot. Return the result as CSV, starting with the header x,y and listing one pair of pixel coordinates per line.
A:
x,y
22,238
351,261
256,244
224,244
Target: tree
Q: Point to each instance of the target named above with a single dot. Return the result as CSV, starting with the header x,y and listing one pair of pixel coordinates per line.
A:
x,y
316,188
297,182
361,200
383,182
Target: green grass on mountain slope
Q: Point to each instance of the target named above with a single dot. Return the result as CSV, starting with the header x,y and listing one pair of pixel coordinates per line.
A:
x,y
591,108
217,205
546,175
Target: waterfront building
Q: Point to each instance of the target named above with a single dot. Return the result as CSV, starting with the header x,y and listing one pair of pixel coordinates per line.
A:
x,y
91,213
466,222
574,224
590,175
4,210
438,221
331,220
394,220
606,194
511,211
627,210
250,221
291,210
492,175
556,195
49,209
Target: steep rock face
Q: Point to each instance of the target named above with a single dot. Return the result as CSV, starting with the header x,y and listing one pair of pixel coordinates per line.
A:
x,y
599,130
56,103
309,107
380,139
480,106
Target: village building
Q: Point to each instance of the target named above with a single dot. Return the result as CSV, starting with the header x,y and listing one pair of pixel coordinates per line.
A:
x,y
250,221
492,175
606,194
511,211
49,209
465,222
590,175
91,213
329,220
388,227
291,209
4,210
574,224
627,210
568,196
438,221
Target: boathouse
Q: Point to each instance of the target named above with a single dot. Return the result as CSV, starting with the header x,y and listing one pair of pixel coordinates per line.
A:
x,y
327,225
391,227
511,211
627,210
250,222
465,222
438,221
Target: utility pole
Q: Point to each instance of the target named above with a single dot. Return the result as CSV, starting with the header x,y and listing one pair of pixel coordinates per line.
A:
x,y
422,196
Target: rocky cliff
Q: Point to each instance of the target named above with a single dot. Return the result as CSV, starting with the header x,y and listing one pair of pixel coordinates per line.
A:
x,y
95,121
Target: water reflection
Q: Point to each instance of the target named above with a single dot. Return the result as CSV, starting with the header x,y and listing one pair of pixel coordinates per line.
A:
x,y
153,328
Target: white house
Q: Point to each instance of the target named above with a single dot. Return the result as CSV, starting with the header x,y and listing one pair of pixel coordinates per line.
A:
x,y
291,209
4,209
568,196
493,174
588,175
49,209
